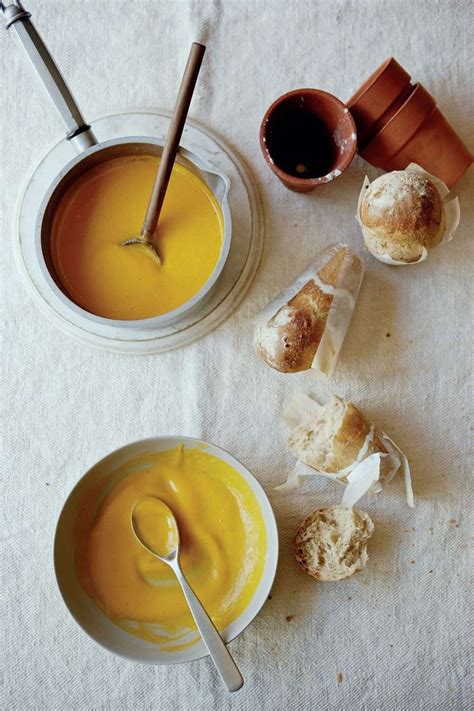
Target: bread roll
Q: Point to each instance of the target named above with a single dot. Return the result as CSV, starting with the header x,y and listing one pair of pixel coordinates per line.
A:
x,y
331,543
401,214
289,339
336,438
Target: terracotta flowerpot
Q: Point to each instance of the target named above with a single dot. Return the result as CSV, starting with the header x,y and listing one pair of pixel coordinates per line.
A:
x,y
308,138
394,109
376,95
437,148
403,124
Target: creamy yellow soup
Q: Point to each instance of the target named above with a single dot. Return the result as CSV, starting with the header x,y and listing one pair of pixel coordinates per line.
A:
x,y
222,544
106,206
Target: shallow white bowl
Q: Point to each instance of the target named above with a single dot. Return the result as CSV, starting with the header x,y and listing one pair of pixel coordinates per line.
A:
x,y
84,610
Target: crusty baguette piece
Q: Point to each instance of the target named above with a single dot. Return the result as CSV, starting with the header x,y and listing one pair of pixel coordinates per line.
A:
x,y
401,212
288,341
333,439
331,543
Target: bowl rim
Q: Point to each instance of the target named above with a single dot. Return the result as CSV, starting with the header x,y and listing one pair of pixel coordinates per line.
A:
x,y
308,182
169,317
264,587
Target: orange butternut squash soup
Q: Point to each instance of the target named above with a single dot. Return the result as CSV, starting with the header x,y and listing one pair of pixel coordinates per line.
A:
x,y
222,544
106,206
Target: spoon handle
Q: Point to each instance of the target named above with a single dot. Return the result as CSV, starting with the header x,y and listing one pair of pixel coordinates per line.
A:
x,y
221,656
173,137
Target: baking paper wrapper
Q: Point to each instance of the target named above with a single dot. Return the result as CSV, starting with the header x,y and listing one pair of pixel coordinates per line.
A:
x,y
361,480
340,313
303,408
451,210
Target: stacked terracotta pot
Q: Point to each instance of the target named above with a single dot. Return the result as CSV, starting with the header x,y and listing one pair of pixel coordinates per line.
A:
x,y
399,123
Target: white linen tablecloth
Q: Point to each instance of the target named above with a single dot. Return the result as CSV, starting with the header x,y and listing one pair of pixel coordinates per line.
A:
x,y
395,636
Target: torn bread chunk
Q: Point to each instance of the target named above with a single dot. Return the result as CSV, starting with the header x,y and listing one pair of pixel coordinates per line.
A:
x,y
331,543
304,327
337,441
337,438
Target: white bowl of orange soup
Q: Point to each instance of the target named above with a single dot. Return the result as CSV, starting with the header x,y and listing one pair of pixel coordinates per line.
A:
x,y
130,602
99,201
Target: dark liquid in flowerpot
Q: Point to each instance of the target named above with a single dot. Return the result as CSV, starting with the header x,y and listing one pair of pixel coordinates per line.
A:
x,y
300,143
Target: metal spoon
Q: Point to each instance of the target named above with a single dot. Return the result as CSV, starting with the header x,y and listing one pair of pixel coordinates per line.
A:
x,y
148,514
170,149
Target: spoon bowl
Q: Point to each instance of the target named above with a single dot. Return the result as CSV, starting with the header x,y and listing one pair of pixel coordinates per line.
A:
x,y
156,528
145,241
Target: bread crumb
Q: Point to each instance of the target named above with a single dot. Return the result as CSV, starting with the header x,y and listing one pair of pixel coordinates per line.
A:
x,y
453,523
339,677
289,618
413,561
349,598
430,571
388,335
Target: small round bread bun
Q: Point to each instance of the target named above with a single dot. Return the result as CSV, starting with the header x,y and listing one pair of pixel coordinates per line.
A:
x,y
331,543
400,213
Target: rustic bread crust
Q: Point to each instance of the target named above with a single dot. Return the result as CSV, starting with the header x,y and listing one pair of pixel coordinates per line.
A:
x,y
300,323
333,440
402,212
351,436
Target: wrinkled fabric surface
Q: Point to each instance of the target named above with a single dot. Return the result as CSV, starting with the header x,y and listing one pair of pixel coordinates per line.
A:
x,y
395,636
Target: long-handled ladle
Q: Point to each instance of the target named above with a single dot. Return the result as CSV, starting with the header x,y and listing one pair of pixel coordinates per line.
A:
x,y
188,82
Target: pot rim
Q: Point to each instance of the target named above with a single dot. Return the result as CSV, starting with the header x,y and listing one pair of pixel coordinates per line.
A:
x,y
169,317
367,151
371,81
308,182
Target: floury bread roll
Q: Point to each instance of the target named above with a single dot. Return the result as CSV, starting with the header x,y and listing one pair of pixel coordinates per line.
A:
x,y
304,327
339,436
403,215
331,543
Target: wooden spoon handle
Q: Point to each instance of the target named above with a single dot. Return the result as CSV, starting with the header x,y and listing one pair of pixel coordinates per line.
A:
x,y
172,139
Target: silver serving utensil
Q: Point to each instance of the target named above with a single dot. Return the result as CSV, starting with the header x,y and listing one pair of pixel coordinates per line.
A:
x,y
169,150
169,554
